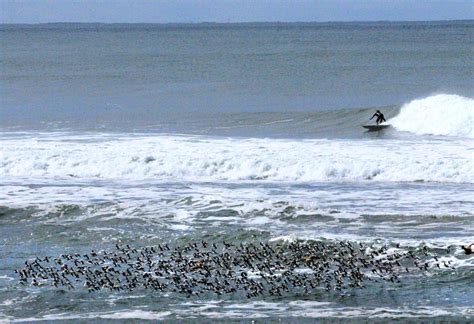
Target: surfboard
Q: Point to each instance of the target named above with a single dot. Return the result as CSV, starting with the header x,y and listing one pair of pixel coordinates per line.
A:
x,y
373,128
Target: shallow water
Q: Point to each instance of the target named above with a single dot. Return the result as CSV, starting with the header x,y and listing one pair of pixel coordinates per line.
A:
x,y
75,218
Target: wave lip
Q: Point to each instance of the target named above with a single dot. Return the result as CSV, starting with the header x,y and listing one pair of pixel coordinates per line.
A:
x,y
443,114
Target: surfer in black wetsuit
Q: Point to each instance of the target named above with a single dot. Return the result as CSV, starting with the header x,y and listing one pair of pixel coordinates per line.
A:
x,y
380,117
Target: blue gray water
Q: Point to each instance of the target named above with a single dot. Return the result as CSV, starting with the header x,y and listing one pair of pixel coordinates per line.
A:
x,y
152,134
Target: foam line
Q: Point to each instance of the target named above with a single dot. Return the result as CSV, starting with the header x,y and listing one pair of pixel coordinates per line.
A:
x,y
192,158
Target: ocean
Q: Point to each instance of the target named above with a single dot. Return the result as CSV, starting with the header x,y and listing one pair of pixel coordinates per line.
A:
x,y
147,135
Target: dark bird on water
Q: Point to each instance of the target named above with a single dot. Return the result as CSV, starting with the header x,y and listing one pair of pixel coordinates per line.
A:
x,y
468,248
264,268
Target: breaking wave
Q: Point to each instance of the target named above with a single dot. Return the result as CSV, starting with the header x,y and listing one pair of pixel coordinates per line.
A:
x,y
443,114
197,158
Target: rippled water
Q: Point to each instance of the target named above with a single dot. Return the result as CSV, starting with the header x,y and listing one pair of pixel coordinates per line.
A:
x,y
68,217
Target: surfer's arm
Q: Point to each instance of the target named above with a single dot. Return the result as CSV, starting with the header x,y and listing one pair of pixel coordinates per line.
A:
x,y
373,116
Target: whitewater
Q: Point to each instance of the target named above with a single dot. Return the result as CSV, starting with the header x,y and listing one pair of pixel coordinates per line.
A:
x,y
184,158
393,158
442,114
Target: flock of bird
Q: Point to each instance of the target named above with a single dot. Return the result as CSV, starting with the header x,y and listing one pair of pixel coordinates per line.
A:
x,y
251,269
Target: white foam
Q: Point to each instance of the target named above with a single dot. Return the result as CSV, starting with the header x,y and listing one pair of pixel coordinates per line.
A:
x,y
314,309
447,115
128,314
309,309
137,314
203,159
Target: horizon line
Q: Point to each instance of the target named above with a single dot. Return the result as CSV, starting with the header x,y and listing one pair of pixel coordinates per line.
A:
x,y
238,23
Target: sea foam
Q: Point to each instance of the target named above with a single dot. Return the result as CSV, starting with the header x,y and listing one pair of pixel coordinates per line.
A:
x,y
443,114
197,158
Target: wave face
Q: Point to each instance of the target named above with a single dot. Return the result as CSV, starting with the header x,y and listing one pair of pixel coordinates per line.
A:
x,y
443,114
197,158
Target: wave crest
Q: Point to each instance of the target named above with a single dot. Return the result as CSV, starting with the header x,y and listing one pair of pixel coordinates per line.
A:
x,y
443,114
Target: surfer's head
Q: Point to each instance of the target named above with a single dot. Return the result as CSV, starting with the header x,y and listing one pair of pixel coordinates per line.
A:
x,y
378,111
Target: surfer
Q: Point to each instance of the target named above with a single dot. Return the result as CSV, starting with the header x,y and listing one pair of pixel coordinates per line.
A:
x,y
380,117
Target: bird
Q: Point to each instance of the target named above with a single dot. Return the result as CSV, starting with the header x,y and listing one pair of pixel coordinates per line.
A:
x,y
468,248
255,269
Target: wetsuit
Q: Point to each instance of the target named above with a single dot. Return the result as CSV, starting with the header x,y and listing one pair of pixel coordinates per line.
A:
x,y
380,117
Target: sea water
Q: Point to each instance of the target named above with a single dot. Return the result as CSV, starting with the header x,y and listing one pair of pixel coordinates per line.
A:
x,y
151,134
